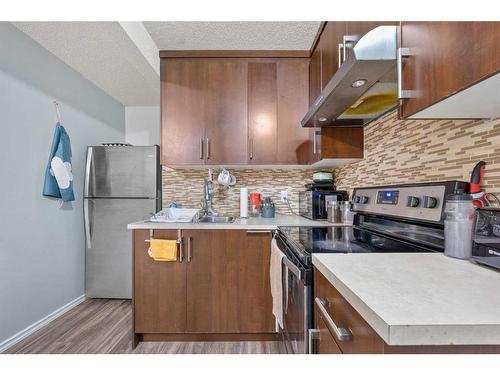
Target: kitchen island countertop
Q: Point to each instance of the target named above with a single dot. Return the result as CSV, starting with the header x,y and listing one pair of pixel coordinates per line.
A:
x,y
419,298
251,223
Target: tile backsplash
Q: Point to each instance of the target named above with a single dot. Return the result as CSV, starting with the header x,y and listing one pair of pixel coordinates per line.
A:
x,y
185,187
406,151
396,151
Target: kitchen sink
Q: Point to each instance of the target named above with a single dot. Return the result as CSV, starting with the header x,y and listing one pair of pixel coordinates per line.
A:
x,y
216,219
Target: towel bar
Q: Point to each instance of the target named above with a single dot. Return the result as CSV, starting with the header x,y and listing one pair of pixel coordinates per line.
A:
x,y
178,241
179,236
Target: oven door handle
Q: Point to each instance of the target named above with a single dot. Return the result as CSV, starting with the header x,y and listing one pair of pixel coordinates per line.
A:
x,y
292,267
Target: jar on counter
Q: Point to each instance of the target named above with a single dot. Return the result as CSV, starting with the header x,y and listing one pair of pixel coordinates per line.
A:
x,y
458,225
334,212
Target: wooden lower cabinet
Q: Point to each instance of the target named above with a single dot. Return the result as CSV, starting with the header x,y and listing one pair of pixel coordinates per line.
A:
x,y
325,344
221,287
159,288
364,340
228,282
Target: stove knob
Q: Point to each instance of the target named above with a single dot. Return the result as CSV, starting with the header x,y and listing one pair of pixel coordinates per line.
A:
x,y
429,202
412,201
357,199
364,200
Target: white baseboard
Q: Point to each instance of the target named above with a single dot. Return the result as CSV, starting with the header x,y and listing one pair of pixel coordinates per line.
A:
x,y
14,339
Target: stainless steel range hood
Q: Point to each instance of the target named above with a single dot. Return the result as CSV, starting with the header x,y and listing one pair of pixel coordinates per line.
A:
x,y
365,85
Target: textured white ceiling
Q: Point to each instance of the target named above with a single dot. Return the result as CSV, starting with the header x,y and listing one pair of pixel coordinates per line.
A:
x,y
122,59
104,54
233,35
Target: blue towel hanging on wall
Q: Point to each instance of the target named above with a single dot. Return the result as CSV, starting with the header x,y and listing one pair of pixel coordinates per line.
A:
x,y
58,175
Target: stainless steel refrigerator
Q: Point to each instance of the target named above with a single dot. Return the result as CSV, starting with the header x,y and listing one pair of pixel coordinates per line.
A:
x,y
122,185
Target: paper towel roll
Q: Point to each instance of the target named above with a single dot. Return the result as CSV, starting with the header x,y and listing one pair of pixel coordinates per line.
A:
x,y
244,202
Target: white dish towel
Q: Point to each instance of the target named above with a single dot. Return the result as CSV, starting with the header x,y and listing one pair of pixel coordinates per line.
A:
x,y
276,278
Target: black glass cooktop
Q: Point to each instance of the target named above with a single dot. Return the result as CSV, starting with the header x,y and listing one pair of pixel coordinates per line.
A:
x,y
304,241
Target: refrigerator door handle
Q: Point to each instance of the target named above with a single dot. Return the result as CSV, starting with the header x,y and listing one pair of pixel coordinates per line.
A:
x,y
87,172
86,217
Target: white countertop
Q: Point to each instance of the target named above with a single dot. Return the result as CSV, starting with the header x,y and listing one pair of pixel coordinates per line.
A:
x,y
419,299
252,223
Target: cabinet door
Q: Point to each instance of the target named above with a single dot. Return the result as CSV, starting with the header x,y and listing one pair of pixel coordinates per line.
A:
x,y
331,37
446,58
341,143
183,111
315,75
336,143
364,339
228,282
262,112
293,94
160,290
226,127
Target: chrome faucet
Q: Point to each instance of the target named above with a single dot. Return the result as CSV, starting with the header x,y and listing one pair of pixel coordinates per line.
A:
x,y
208,194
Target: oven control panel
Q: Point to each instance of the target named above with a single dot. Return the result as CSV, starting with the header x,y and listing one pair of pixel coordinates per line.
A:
x,y
420,202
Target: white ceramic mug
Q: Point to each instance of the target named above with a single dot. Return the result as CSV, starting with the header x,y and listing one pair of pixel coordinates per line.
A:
x,y
225,178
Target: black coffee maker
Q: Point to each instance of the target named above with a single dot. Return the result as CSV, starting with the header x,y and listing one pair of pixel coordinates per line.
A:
x,y
313,202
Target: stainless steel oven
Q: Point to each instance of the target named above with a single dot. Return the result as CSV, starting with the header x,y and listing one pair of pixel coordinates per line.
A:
x,y
297,300
396,218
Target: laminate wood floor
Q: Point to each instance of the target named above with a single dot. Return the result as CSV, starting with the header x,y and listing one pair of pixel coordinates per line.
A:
x,y
102,326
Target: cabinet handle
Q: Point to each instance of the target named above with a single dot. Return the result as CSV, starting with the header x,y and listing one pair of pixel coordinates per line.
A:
x,y
181,249
339,54
189,249
348,41
343,334
87,223
402,94
251,148
208,148
201,148
315,141
313,334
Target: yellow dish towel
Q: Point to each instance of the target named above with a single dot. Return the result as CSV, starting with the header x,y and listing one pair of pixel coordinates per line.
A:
x,y
163,250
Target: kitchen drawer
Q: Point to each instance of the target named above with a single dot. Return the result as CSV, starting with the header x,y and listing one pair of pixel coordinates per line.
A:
x,y
362,338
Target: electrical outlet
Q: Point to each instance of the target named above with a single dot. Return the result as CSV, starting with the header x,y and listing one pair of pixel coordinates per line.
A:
x,y
284,195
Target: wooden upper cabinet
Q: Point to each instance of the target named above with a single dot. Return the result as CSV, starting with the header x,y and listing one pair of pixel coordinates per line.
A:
x,y
226,127
331,37
183,111
337,143
293,94
262,112
325,57
446,57
314,76
233,111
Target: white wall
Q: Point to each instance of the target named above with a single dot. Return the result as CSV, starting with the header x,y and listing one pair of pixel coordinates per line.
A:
x,y
42,248
142,125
